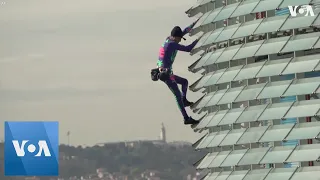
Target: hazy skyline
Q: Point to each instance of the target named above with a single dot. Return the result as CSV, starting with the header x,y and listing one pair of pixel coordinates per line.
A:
x,y
87,65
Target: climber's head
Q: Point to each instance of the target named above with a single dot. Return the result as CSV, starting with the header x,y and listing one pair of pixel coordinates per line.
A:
x,y
176,34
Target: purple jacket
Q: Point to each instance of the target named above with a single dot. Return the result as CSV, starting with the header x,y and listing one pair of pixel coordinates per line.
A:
x,y
169,49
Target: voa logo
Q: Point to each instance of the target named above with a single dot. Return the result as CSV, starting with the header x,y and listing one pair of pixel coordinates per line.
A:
x,y
31,148
305,10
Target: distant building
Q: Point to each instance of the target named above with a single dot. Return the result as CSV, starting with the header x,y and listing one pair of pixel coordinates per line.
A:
x,y
179,143
163,133
162,141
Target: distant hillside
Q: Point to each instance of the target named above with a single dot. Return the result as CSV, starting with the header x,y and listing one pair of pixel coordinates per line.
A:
x,y
173,162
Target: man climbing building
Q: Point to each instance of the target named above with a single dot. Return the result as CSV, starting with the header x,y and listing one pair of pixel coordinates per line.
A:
x,y
167,54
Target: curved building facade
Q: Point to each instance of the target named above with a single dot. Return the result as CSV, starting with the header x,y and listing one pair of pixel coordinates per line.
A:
x,y
260,62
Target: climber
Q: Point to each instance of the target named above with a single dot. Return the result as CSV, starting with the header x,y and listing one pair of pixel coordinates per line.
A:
x,y
167,54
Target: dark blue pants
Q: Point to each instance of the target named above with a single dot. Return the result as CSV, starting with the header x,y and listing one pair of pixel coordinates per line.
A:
x,y
172,83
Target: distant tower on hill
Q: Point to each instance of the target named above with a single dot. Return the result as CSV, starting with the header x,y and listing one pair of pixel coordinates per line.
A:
x,y
163,133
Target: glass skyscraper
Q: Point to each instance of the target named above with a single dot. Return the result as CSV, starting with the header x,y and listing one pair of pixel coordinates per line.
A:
x,y
260,85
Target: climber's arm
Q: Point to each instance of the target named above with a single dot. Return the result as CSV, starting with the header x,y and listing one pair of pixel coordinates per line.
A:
x,y
188,29
188,48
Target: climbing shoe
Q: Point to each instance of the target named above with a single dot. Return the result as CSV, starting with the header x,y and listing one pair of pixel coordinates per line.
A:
x,y
190,120
187,103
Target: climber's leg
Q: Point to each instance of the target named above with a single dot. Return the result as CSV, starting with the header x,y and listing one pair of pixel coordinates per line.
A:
x,y
184,87
173,86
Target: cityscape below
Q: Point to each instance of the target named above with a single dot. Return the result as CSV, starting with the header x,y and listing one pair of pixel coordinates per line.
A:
x,y
124,160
